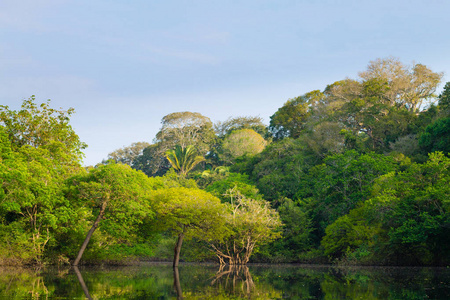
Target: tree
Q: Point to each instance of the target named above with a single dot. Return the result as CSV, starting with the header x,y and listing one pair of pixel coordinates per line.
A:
x,y
383,104
183,159
347,234
409,87
30,199
237,181
188,213
41,151
118,195
363,109
43,127
340,183
325,138
436,137
412,208
127,155
251,223
243,142
152,160
184,129
444,100
296,234
179,128
231,124
279,169
290,119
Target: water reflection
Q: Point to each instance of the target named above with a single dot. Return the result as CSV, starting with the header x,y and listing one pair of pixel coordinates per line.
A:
x,y
195,281
176,283
235,278
82,284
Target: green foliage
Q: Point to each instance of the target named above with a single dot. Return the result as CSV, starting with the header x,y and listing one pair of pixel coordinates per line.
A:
x,y
341,182
236,181
180,128
444,100
290,119
43,127
243,142
237,123
279,169
412,209
127,155
296,235
126,195
210,176
349,235
250,223
183,159
39,150
193,212
184,129
343,155
436,137
152,161
173,179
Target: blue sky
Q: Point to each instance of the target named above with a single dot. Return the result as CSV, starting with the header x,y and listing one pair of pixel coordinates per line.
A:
x,y
123,65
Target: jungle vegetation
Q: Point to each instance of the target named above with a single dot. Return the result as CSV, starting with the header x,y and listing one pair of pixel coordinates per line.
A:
x,y
358,173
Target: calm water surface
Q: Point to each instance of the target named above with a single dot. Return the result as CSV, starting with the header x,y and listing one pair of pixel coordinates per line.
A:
x,y
197,281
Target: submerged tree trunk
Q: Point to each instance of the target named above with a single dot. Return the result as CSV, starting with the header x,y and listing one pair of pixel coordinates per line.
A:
x,y
177,250
232,254
91,231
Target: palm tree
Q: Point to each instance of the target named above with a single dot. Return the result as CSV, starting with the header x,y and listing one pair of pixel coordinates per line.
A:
x,y
183,159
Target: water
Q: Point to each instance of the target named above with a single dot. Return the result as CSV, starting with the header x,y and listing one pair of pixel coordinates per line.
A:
x,y
198,281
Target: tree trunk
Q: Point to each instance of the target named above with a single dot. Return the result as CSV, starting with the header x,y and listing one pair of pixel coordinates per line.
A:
x,y
91,231
177,250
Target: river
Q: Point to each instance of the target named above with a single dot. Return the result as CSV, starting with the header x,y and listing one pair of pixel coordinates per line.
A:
x,y
209,281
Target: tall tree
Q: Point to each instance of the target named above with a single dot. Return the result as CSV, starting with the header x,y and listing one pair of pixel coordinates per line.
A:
x,y
40,151
41,126
118,195
184,129
251,223
411,87
179,128
188,213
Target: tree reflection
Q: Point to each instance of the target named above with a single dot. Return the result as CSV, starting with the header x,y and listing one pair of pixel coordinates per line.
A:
x,y
235,278
82,283
204,281
177,283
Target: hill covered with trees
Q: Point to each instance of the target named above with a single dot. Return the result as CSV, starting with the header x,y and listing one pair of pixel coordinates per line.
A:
x,y
357,173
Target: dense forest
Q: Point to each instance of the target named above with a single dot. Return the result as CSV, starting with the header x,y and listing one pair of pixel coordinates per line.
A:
x,y
358,173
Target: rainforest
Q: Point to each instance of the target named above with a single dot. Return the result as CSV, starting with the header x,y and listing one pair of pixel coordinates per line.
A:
x,y
355,174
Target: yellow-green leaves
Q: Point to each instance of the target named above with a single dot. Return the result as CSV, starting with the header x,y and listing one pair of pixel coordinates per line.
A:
x,y
183,159
192,212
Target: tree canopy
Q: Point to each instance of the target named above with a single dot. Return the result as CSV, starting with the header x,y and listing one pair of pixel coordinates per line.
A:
x,y
189,213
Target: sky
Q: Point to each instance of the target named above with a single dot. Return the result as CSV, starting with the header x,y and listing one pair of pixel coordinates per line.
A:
x,y
124,65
